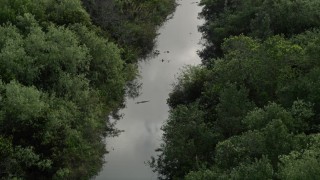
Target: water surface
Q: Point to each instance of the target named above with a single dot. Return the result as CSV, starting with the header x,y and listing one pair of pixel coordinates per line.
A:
x,y
177,44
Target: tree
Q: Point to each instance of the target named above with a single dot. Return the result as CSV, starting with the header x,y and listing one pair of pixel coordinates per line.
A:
x,y
61,77
304,164
187,143
254,18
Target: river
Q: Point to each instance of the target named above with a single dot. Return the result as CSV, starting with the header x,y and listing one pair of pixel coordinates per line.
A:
x,y
177,43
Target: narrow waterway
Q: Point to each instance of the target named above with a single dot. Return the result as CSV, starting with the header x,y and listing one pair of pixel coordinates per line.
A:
x,y
177,43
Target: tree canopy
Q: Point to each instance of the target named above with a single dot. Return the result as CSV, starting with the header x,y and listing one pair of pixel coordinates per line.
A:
x,y
62,77
251,109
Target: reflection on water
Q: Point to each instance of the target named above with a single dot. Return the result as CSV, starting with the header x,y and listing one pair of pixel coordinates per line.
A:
x,y
176,46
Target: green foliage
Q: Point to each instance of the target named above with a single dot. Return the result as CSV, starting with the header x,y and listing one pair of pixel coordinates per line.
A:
x,y
103,55
206,174
67,12
187,143
60,79
258,169
188,87
302,165
295,119
22,112
233,106
131,23
58,63
258,91
15,160
255,18
56,11
233,151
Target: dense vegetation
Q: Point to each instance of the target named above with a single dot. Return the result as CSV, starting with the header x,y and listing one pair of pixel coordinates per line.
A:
x,y
252,109
63,72
131,23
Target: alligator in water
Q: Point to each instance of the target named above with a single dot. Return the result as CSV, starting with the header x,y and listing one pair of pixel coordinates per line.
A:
x,y
140,102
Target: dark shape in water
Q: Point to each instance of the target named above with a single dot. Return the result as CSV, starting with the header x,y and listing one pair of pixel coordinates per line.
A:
x,y
140,102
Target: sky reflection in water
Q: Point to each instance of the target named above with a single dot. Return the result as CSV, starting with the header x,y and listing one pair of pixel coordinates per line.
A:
x,y
142,122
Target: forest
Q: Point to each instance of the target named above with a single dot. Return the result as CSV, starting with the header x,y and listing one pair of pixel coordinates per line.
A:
x,y
251,110
65,69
